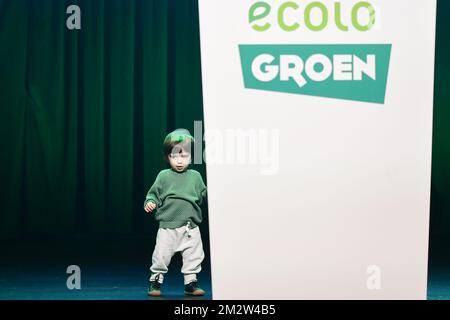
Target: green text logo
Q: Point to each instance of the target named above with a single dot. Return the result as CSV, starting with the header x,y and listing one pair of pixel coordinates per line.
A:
x,y
262,15
351,72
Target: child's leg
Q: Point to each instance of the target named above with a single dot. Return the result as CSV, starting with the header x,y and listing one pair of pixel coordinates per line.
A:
x,y
164,250
193,255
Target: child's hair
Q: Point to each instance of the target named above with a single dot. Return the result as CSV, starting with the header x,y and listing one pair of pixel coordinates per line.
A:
x,y
178,141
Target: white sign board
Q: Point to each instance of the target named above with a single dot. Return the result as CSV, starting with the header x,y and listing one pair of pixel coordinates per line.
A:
x,y
318,131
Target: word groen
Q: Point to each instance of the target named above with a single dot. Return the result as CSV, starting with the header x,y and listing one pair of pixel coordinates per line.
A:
x,y
342,71
260,12
318,67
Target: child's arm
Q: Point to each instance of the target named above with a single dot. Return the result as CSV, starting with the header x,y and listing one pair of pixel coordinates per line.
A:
x,y
201,190
153,198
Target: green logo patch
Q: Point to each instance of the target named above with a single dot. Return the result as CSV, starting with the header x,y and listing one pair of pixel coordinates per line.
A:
x,y
352,72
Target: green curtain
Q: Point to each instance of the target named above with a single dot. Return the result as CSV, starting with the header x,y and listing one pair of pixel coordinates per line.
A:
x,y
440,188
84,112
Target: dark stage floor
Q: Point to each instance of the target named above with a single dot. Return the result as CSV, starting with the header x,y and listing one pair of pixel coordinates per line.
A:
x,y
100,282
109,271
439,283
116,270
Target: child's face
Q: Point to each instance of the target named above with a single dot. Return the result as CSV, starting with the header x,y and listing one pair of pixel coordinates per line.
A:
x,y
179,161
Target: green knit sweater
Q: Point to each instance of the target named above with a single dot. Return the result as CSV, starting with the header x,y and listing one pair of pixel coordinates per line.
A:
x,y
178,196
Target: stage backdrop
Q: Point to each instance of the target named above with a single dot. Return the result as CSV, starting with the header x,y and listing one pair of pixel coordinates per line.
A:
x,y
84,112
334,100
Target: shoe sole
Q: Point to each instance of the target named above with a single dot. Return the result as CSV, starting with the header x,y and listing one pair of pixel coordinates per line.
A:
x,y
154,293
196,293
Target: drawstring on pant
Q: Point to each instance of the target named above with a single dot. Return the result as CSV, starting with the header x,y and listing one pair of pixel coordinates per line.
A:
x,y
187,229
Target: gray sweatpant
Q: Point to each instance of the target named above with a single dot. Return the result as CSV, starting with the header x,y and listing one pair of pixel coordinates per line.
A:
x,y
168,242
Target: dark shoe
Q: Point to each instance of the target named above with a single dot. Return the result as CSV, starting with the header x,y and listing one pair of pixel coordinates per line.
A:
x,y
154,290
193,289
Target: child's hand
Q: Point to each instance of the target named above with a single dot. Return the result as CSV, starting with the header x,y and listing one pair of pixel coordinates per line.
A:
x,y
149,207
